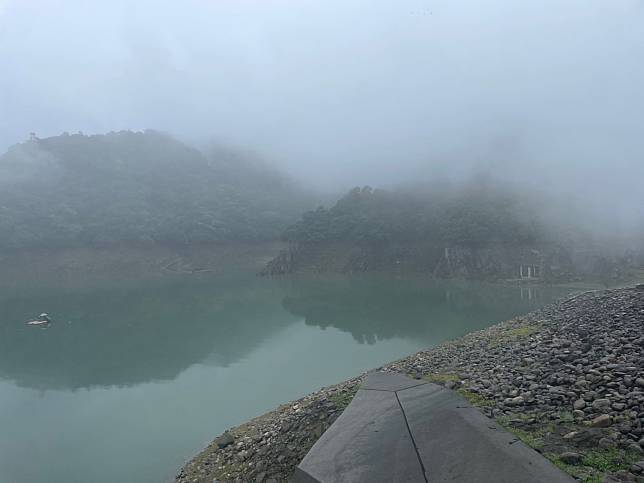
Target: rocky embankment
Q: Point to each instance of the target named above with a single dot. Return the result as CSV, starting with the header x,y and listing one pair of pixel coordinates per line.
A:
x,y
568,380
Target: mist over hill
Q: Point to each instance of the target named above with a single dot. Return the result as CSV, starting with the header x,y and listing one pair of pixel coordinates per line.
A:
x,y
138,187
481,229
471,217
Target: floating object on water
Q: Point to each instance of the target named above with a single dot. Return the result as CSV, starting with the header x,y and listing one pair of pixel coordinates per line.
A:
x,y
42,319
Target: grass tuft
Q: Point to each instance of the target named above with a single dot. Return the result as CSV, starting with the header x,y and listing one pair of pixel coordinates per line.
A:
x,y
531,437
595,463
475,399
609,459
344,398
581,473
442,378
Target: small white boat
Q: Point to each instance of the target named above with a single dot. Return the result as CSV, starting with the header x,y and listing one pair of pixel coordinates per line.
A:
x,y
42,319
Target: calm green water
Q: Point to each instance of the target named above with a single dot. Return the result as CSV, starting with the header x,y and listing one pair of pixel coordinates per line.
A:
x,y
132,379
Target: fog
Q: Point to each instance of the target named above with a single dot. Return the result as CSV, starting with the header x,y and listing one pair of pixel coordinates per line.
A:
x,y
544,93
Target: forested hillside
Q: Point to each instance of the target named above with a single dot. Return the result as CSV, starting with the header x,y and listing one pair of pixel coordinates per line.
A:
x,y
474,230
467,217
138,187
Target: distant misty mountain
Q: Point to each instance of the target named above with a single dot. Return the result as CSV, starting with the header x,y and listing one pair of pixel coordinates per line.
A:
x,y
138,187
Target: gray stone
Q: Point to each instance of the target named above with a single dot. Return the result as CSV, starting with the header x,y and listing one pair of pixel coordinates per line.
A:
x,y
601,404
571,458
602,421
224,440
579,404
514,401
608,478
606,443
635,448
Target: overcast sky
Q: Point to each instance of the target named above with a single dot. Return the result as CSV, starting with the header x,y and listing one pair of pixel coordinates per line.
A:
x,y
343,92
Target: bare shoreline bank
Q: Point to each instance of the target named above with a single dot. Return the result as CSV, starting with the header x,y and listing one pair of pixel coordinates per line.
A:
x,y
75,268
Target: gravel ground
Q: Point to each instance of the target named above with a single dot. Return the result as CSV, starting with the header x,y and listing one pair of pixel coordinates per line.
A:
x,y
568,380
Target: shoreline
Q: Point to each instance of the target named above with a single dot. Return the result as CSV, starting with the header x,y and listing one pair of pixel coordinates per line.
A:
x,y
76,268
567,379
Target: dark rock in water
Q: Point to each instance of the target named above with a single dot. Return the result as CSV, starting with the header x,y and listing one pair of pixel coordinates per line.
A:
x,y
571,458
224,440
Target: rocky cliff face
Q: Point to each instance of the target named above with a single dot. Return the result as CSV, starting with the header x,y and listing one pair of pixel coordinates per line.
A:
x,y
499,262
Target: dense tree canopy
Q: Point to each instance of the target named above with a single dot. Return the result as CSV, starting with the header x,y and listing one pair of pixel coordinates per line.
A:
x,y
468,217
137,186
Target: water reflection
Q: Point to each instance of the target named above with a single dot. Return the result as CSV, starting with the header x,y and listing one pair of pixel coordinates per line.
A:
x,y
120,336
148,369
115,335
377,308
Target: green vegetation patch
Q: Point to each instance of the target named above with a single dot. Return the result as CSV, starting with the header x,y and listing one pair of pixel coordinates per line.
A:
x,y
581,473
513,334
609,459
533,437
566,417
595,463
442,378
344,398
475,399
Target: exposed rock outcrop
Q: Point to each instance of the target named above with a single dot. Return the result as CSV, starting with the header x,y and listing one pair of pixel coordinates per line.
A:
x,y
498,262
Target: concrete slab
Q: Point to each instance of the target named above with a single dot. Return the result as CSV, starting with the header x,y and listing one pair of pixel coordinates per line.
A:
x,y
369,442
456,442
389,381
398,429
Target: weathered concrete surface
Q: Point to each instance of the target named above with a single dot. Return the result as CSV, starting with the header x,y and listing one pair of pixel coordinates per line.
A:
x,y
389,381
368,442
399,429
456,442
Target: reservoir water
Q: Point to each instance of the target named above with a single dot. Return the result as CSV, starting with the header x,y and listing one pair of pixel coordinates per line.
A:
x,y
138,372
